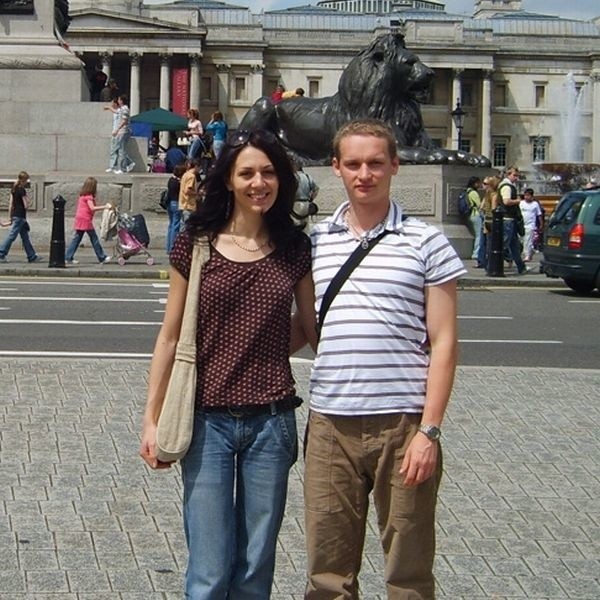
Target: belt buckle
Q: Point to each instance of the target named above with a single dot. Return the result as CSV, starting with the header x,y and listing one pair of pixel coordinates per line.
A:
x,y
236,412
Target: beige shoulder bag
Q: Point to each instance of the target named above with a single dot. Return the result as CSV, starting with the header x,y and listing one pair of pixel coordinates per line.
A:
x,y
176,420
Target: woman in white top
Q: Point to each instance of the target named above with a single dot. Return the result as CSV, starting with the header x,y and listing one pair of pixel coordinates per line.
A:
x,y
194,131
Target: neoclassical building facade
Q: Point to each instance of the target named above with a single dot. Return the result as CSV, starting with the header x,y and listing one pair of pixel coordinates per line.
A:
x,y
507,68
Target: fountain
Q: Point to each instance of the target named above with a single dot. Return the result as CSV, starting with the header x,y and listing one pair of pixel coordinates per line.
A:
x,y
569,173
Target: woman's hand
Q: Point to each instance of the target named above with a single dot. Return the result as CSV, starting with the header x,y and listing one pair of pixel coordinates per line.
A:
x,y
148,448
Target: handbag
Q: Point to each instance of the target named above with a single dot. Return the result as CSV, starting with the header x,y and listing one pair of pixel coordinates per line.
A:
x,y
176,421
164,199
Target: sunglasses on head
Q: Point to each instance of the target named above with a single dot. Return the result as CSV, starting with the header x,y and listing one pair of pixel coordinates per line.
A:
x,y
241,137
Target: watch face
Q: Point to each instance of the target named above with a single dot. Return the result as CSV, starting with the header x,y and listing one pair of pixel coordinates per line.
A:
x,y
431,431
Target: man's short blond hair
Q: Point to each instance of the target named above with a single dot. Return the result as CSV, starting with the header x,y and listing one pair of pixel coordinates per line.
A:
x,y
367,127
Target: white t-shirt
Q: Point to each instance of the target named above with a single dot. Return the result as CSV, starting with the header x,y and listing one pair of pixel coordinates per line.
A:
x,y
530,211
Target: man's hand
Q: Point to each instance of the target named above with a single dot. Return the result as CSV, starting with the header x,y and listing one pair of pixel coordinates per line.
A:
x,y
420,460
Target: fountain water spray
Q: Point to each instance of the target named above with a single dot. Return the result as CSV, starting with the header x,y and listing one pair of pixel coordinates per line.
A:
x,y
569,172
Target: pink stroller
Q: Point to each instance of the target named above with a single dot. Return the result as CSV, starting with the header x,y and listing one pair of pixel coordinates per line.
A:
x,y
132,239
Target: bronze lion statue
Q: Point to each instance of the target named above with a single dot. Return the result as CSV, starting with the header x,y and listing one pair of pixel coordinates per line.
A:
x,y
385,81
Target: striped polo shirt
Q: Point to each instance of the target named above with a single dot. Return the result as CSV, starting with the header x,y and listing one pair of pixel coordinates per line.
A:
x,y
373,352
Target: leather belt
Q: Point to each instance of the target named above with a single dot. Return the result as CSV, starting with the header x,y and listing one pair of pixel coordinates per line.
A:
x,y
253,410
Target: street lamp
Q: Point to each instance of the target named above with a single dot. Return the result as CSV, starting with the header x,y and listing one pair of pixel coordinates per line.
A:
x,y
458,116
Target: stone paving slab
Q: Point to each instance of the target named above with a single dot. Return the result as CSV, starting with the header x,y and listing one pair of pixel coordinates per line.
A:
x,y
81,517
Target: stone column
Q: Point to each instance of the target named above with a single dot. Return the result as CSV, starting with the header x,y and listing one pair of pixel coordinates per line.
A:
x,y
195,80
456,97
223,87
256,82
595,81
105,59
486,113
134,92
164,95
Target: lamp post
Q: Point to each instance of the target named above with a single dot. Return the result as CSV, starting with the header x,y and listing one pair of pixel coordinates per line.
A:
x,y
458,116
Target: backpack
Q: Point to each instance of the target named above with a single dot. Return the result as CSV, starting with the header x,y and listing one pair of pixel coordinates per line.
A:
x,y
464,206
164,199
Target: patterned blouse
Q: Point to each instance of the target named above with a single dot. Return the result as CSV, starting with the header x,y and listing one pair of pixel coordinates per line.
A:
x,y
244,324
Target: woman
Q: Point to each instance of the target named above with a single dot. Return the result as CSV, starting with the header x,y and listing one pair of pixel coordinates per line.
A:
x,y
84,222
17,214
235,484
218,129
475,218
173,211
194,131
490,201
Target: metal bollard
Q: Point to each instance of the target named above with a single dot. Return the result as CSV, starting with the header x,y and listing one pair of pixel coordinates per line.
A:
x,y
496,258
57,243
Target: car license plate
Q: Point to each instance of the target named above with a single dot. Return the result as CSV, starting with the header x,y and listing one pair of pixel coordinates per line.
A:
x,y
553,241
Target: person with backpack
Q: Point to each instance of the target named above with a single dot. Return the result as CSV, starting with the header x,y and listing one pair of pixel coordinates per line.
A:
x,y
475,222
513,218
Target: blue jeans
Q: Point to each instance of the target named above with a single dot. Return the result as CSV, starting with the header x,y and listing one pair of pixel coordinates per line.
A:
x,y
18,227
174,223
123,159
511,244
194,148
114,153
77,237
477,223
235,477
217,147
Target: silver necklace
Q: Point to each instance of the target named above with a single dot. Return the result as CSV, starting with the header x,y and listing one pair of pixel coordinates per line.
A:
x,y
364,237
257,249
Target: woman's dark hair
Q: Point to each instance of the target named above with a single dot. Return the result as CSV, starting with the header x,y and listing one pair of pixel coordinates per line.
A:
x,y
473,181
214,211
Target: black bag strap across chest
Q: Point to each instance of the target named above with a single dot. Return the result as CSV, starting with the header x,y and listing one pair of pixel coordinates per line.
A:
x,y
340,277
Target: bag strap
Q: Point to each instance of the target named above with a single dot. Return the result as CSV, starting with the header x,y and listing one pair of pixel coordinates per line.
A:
x,y
189,322
340,277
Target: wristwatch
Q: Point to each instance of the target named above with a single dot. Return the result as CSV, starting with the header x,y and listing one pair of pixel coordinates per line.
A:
x,y
431,431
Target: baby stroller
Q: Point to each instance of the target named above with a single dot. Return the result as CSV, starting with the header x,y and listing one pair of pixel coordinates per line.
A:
x,y
132,238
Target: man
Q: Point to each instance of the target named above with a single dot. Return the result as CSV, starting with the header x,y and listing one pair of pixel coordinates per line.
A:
x,y
97,83
512,218
110,91
173,157
533,219
381,379
306,192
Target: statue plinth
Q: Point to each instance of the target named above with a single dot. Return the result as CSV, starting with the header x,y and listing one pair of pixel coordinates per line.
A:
x,y
428,192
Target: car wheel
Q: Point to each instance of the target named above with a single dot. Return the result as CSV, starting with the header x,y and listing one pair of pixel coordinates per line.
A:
x,y
579,285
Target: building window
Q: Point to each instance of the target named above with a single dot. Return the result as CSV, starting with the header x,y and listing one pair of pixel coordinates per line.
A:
x,y
239,89
539,148
500,95
500,146
206,94
314,88
467,94
540,95
465,145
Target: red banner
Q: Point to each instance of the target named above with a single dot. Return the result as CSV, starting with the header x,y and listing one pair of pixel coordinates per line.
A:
x,y
180,91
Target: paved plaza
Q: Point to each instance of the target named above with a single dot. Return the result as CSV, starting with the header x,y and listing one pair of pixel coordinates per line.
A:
x,y
81,517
